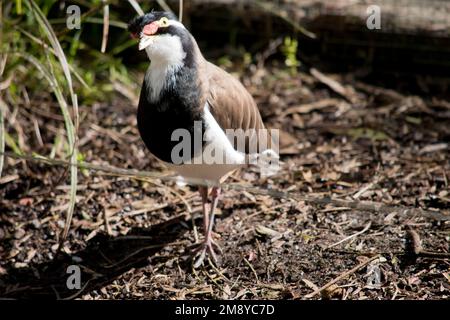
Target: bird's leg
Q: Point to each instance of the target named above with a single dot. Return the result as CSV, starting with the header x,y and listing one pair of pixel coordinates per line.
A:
x,y
215,193
202,247
204,194
208,242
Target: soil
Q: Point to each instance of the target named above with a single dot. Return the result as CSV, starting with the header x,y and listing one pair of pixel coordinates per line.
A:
x,y
133,238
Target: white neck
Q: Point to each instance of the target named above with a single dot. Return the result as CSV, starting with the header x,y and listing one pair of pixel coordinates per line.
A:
x,y
159,77
166,55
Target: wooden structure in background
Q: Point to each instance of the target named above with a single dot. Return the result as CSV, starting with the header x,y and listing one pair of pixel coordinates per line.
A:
x,y
401,16
414,34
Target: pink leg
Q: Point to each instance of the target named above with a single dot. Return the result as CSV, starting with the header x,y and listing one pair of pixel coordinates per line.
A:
x,y
208,223
215,193
204,194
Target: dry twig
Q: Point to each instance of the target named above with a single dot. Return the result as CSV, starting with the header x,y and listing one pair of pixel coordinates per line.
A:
x,y
134,174
342,276
351,236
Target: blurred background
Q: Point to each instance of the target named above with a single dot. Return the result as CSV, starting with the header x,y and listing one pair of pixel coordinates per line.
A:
x,y
410,51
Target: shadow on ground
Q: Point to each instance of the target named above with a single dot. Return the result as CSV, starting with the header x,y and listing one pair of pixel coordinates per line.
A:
x,y
104,259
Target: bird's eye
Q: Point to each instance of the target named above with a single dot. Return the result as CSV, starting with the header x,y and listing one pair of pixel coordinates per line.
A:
x,y
164,22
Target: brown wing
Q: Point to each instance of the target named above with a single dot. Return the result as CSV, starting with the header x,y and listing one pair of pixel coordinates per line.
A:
x,y
231,104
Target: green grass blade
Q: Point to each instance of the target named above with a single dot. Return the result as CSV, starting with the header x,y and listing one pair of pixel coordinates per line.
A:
x,y
70,128
45,25
19,7
49,76
163,4
136,7
51,36
10,142
46,47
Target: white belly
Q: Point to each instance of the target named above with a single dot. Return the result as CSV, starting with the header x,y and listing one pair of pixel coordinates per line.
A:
x,y
212,166
210,172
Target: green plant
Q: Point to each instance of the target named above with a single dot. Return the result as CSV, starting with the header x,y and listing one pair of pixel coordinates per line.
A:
x,y
33,49
289,50
41,58
50,75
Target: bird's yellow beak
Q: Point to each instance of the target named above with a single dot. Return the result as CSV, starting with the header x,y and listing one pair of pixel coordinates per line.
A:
x,y
146,41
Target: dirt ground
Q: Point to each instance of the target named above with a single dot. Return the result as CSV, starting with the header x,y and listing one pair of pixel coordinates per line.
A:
x,y
133,238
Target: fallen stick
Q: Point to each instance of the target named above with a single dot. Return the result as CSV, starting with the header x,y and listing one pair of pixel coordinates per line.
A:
x,y
342,276
138,175
351,236
334,85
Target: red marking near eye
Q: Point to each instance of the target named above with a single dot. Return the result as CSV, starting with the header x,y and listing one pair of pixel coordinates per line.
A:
x,y
150,29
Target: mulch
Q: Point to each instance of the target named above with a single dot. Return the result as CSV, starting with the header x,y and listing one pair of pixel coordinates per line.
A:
x,y
132,238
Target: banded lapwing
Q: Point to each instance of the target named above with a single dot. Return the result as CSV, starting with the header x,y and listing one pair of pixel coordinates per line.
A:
x,y
183,94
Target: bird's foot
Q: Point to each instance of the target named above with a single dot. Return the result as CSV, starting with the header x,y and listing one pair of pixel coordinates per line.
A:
x,y
206,248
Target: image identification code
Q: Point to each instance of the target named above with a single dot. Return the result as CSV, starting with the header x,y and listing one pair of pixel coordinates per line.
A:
x,y
227,309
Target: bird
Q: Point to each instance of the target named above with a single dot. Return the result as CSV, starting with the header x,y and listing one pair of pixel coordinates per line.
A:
x,y
183,96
